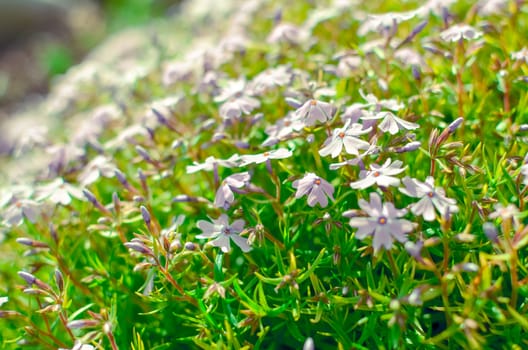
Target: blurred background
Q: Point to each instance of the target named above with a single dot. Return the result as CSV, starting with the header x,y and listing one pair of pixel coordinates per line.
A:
x,y
42,39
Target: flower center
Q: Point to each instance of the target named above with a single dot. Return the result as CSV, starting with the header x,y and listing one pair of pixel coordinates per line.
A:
x,y
382,220
287,123
227,231
317,181
376,174
341,135
266,154
430,194
18,204
313,102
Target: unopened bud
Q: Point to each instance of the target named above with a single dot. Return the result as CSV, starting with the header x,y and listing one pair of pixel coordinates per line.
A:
x,y
146,215
117,202
31,243
309,344
455,124
53,233
143,153
139,247
59,280
190,246
78,324
490,231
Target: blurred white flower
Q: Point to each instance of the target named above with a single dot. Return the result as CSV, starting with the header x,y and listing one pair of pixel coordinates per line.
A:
x,y
459,32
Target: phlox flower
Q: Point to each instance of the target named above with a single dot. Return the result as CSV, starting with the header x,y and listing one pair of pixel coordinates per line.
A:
x,y
222,233
383,223
521,55
286,33
212,162
384,22
270,78
97,167
280,153
390,122
345,136
224,195
282,129
315,111
382,175
459,32
236,100
316,188
430,198
59,192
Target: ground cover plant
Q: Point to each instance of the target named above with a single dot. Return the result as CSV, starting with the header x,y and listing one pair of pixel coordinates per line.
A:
x,y
319,175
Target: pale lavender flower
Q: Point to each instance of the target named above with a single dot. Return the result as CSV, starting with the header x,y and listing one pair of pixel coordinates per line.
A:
x,y
282,129
437,7
459,32
383,224
21,208
280,153
373,149
521,55
345,136
236,107
353,113
222,233
376,104
430,198
235,100
271,78
125,136
380,175
61,155
33,136
224,195
491,7
506,213
58,192
409,57
211,163
390,122
317,189
347,65
177,71
97,167
313,110
286,33
384,22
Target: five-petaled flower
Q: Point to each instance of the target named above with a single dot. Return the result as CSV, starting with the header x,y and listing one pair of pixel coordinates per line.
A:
x,y
316,188
314,110
382,175
383,224
280,153
459,32
345,136
224,195
430,198
390,122
222,233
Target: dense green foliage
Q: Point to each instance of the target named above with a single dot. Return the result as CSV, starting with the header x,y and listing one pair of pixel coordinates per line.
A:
x,y
108,218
